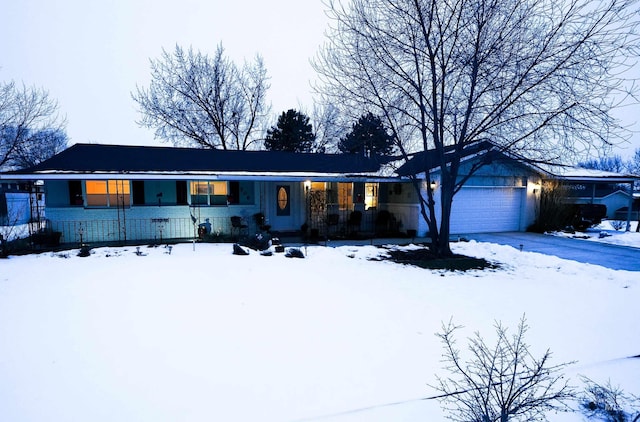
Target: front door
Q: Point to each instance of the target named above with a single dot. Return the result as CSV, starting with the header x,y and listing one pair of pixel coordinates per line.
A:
x,y
284,208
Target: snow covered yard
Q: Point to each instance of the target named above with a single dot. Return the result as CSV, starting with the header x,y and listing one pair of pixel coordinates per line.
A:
x,y
206,335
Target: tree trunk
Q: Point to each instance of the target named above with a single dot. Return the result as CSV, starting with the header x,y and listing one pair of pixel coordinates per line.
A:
x,y
444,249
439,234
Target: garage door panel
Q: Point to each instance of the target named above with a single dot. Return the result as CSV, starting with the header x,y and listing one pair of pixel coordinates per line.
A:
x,y
477,210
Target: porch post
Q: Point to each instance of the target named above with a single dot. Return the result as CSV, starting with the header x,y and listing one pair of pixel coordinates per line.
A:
x,y
630,206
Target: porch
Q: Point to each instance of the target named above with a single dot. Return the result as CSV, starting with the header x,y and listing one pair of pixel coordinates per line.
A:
x,y
341,224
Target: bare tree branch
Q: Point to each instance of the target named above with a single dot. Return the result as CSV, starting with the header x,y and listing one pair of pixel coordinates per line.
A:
x,y
537,78
30,128
500,382
206,102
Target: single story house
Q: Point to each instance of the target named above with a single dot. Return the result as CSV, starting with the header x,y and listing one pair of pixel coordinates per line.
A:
x,y
114,193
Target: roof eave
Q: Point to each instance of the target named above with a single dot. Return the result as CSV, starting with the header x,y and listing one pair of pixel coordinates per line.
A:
x,y
265,176
597,179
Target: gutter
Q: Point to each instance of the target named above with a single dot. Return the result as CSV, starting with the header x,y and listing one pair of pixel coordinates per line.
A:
x,y
231,176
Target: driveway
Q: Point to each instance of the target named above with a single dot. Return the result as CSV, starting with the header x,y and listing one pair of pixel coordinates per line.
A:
x,y
597,253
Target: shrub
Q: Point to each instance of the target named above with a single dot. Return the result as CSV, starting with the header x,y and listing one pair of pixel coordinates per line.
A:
x,y
552,214
500,382
618,224
608,403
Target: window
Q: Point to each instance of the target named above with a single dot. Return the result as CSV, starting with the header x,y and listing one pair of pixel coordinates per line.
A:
x,y
181,192
108,193
138,192
199,193
75,192
209,193
233,197
282,196
345,196
219,193
371,195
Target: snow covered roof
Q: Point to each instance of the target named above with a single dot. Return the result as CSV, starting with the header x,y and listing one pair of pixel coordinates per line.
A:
x,y
485,150
430,159
571,173
119,161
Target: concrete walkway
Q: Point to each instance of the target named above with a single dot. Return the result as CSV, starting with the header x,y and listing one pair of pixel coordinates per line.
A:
x,y
598,253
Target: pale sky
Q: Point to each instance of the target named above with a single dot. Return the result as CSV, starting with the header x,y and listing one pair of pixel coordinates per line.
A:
x,y
90,55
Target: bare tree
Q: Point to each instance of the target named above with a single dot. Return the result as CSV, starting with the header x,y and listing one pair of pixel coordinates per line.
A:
x,y
633,164
203,101
613,163
500,382
329,127
533,77
30,128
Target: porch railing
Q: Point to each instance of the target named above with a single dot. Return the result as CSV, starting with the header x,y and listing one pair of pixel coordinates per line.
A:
x,y
144,229
157,230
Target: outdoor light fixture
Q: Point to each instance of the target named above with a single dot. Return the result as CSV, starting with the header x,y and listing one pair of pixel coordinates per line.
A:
x,y
307,185
433,185
536,188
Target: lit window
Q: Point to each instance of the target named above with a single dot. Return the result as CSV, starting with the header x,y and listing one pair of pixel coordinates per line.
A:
x,y
200,193
283,198
371,195
209,193
218,188
345,196
108,193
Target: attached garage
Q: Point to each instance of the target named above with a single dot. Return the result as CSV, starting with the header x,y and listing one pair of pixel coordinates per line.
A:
x,y
499,193
499,196
488,209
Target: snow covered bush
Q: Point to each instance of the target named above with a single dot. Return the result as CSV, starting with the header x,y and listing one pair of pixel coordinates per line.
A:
x,y
608,403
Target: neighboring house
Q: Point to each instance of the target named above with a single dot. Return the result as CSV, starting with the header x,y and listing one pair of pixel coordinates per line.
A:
x,y
635,211
589,186
20,203
612,195
105,193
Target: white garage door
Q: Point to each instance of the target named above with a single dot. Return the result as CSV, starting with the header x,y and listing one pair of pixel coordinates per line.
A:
x,y
486,209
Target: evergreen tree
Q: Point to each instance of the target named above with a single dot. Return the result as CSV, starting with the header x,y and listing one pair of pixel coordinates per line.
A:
x,y
293,133
368,137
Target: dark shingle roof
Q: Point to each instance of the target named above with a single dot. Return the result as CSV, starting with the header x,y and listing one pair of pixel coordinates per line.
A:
x,y
429,160
96,158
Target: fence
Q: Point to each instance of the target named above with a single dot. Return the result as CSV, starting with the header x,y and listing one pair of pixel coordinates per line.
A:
x,y
154,229
371,223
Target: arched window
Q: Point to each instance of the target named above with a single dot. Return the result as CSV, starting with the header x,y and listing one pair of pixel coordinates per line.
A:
x,y
283,203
